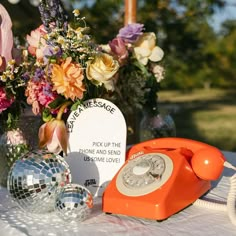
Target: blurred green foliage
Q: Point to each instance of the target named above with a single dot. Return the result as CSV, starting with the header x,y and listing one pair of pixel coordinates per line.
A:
x,y
195,55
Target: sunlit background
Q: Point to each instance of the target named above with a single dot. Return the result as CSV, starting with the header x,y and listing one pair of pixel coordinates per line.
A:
x,y
199,40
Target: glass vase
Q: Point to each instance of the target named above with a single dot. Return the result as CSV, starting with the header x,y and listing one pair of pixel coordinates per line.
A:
x,y
156,126
16,139
12,145
132,121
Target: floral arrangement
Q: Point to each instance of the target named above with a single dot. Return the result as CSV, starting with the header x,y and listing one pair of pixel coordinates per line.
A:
x,y
139,75
12,84
62,66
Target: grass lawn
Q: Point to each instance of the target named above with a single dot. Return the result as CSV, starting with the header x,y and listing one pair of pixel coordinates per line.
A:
x,y
204,115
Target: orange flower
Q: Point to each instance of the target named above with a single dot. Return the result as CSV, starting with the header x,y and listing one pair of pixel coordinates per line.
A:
x,y
53,134
67,79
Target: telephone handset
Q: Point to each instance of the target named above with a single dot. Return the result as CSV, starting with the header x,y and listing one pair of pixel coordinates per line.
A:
x,y
206,161
163,176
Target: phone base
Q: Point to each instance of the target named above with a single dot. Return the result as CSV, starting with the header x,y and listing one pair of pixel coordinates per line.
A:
x,y
143,207
179,190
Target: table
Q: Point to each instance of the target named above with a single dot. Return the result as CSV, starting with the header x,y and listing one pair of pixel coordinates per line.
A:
x,y
193,220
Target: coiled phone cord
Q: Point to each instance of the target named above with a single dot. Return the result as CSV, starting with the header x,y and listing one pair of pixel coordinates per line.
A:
x,y
228,206
231,200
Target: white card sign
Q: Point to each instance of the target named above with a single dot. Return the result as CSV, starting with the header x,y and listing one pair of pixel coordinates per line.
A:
x,y
97,143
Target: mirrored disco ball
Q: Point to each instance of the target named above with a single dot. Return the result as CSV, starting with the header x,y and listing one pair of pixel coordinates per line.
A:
x,y
35,178
73,203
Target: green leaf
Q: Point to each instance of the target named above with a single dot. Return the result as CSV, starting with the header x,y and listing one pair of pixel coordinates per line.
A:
x,y
75,105
141,67
46,115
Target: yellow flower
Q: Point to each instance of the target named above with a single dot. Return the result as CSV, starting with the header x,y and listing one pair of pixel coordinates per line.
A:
x,y
61,40
102,69
76,12
145,49
53,134
67,79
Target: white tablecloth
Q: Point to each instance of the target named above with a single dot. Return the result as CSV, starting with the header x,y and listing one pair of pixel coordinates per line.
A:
x,y
192,221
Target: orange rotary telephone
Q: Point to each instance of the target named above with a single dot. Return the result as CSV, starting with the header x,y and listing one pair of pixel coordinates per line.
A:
x,y
161,177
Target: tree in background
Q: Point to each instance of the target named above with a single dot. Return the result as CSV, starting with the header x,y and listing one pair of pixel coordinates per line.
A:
x,y
185,34
195,55
225,54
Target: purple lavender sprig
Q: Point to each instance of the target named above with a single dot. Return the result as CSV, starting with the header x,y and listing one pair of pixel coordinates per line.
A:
x,y
53,13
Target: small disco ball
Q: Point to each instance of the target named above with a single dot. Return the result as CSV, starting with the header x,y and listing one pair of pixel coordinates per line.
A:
x,y
73,203
35,178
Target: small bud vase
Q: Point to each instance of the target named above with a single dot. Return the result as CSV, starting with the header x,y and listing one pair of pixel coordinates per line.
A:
x,y
12,145
156,126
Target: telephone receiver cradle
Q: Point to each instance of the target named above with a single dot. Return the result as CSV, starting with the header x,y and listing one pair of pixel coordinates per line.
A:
x,y
161,177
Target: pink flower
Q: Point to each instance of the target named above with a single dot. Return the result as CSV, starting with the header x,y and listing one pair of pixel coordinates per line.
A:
x,y
4,101
15,137
6,38
118,47
37,43
39,95
53,134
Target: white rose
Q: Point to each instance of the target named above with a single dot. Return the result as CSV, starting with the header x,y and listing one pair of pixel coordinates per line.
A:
x,y
102,69
145,49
